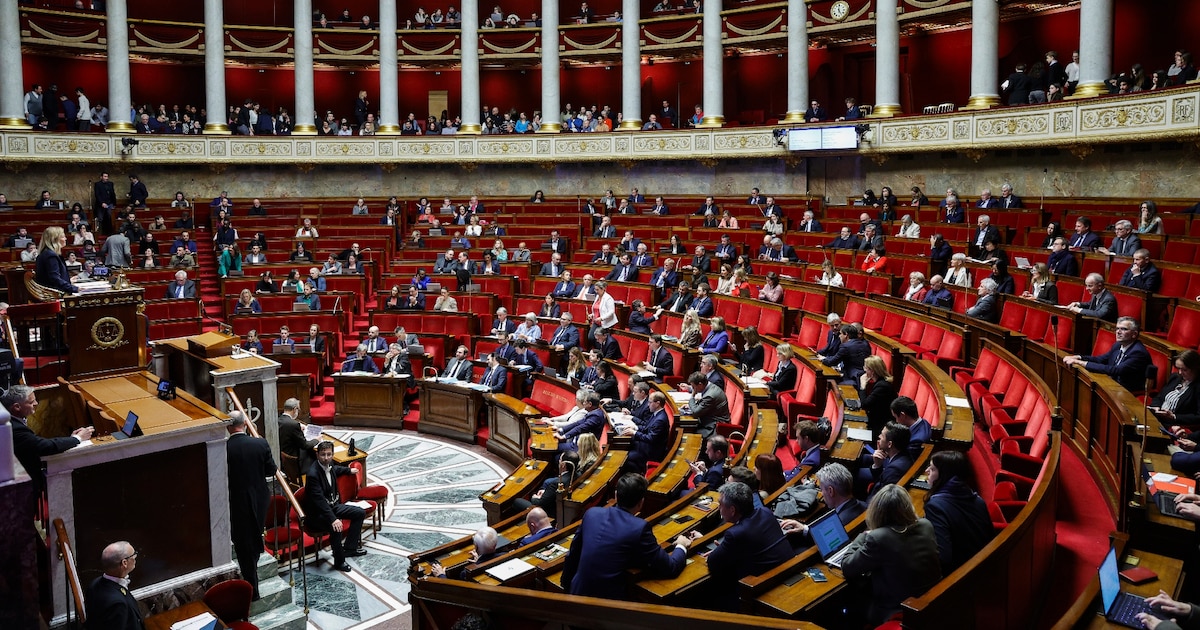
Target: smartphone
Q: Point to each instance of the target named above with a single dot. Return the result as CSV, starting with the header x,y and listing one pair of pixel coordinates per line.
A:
x,y
817,575
682,518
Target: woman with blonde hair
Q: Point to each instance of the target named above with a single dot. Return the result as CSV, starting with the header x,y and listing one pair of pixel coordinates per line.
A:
x,y
689,334
829,276
589,450
876,393
50,270
576,364
898,550
917,287
246,304
1041,286
499,252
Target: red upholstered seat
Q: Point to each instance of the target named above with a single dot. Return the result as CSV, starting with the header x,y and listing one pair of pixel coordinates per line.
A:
x,y
368,492
999,521
349,489
282,536
230,602
319,534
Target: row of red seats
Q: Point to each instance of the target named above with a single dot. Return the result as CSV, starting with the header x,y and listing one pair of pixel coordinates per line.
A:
x,y
936,340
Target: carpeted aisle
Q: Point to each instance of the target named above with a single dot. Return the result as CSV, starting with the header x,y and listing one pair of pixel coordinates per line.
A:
x,y
1084,524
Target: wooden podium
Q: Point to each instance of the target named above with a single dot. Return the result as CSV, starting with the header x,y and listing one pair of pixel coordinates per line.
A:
x,y
368,400
450,409
105,331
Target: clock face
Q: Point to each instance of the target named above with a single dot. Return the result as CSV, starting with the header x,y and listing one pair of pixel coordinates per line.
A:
x,y
840,10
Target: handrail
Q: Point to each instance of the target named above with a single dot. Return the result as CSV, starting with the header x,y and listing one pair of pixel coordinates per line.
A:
x,y
12,343
68,558
279,476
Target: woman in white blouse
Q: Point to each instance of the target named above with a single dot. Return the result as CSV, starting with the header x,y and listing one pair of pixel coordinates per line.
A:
x,y
474,229
958,274
726,285
908,228
829,276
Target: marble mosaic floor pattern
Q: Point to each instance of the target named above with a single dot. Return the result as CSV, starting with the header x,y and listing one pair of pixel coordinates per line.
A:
x,y
435,487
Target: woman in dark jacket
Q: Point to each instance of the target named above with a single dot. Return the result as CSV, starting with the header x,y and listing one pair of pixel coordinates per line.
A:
x,y
49,268
606,383
751,357
784,378
876,393
1004,280
960,518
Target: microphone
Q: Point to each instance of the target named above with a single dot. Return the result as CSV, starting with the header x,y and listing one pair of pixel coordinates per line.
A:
x,y
336,301
1056,419
1151,379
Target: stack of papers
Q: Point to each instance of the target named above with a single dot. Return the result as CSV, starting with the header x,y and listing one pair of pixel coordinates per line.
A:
x,y
93,286
199,622
312,431
680,398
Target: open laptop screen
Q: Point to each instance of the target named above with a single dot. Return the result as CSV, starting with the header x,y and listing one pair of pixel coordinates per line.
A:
x,y
829,534
1110,579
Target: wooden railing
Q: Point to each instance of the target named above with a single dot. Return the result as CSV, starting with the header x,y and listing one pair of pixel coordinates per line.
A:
x,y
74,586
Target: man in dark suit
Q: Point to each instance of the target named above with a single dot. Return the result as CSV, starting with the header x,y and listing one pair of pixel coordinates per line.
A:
x,y
106,201
624,270
1018,86
565,336
983,233
833,339
606,346
665,276
250,463
19,403
756,198
291,436
604,256
648,438
726,252
1125,243
702,303
612,540
889,461
986,307
554,268
1103,304
710,468
109,604
137,192
324,508
635,196
502,322
954,210
631,243
642,259
708,404
459,366
495,377
753,545
539,525
1125,361
772,209
844,240
852,110
708,207
1061,261
181,288
781,251
658,359
375,343
446,263
660,207
680,300
851,353
1083,238
837,492
701,260
809,223
1142,275
557,244
1008,200
360,361
815,113
986,200
638,403
593,422
904,410
525,356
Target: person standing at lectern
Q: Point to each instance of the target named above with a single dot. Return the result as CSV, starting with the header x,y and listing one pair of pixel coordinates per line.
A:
x,y
109,604
250,463
291,436
29,447
49,268
325,508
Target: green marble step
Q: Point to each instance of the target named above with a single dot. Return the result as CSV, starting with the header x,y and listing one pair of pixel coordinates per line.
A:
x,y
268,567
273,593
289,617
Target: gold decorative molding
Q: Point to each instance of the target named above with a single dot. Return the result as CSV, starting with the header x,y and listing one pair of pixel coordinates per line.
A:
x,y
603,44
1082,151
975,154
670,40
754,32
260,49
63,39
345,53
506,50
164,45
429,53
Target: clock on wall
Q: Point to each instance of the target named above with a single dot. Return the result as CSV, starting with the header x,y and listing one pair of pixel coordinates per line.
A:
x,y
840,10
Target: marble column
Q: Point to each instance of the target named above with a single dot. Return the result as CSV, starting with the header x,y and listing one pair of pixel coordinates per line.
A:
x,y
214,67
714,67
119,100
887,59
389,80
1095,47
631,65
985,55
551,94
797,61
12,84
469,44
305,115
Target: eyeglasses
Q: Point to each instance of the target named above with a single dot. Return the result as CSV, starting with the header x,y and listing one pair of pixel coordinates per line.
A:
x,y
132,556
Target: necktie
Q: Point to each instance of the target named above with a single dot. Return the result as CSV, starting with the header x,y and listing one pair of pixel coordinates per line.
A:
x,y
179,292
557,336
1120,355
1078,241
452,369
661,277
624,272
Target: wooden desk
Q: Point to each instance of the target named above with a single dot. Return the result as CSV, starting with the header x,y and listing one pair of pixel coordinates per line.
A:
x,y
164,620
592,489
368,400
450,409
1170,579
541,441
508,426
673,473
764,434
137,392
848,451
523,481
455,553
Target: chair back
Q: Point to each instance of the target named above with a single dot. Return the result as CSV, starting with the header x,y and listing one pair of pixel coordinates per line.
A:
x,y
230,600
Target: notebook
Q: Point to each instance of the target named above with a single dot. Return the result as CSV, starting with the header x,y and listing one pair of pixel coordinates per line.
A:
x,y
1119,607
831,538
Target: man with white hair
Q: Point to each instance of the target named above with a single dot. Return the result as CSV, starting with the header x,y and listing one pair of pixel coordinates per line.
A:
x,y
1126,241
502,322
182,287
485,540
1008,199
986,308
833,340
986,200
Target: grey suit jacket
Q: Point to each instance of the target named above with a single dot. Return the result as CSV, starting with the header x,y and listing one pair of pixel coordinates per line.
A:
x,y
901,564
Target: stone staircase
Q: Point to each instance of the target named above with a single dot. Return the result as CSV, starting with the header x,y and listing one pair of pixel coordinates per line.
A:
x,y
275,608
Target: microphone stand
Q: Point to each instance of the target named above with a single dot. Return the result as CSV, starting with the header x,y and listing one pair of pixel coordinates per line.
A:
x,y
1151,379
1056,418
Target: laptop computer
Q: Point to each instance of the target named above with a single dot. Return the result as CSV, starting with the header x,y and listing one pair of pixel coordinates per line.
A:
x,y
282,348
433,287
130,429
416,348
21,243
303,347
1119,607
1164,499
300,307
831,538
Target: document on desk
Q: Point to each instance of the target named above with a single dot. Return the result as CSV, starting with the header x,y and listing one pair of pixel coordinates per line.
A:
x,y
199,622
312,431
509,570
954,401
680,398
862,435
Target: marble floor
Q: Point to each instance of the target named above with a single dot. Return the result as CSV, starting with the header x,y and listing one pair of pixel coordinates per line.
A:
x,y
435,486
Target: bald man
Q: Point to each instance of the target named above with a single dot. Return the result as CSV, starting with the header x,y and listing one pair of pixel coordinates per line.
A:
x,y
110,606
539,525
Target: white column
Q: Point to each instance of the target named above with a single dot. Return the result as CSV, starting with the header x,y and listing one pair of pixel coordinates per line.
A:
x,y
714,66
214,67
12,85
470,68
389,83
302,43
797,61
119,100
1095,47
887,60
631,64
985,55
551,94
